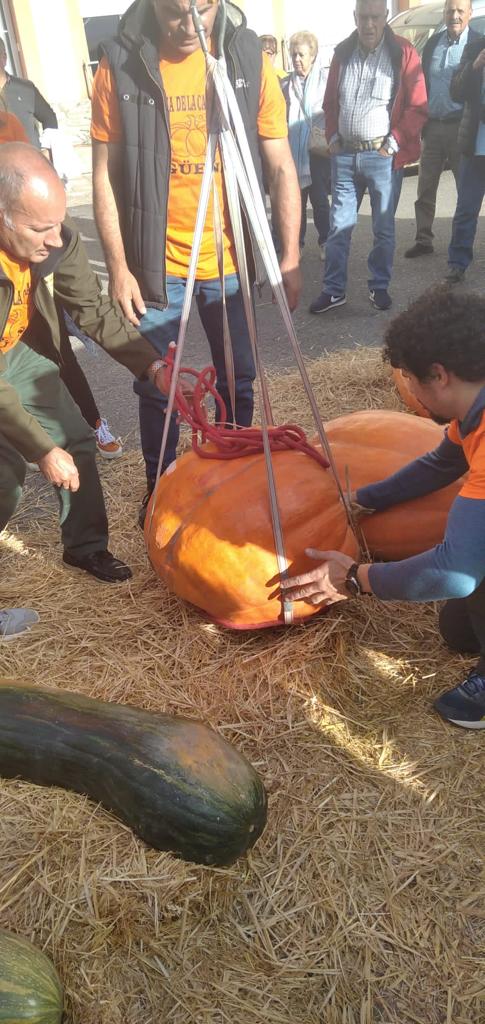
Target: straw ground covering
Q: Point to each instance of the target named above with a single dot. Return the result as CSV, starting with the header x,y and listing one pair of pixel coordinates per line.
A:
x,y
363,901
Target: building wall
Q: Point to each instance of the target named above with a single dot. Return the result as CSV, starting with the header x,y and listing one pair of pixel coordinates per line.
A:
x,y
52,46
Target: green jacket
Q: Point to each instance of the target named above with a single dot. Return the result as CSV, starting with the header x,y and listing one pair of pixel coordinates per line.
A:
x,y
66,276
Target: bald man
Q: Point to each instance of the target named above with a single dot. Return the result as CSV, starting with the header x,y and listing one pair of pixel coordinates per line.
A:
x,y
42,260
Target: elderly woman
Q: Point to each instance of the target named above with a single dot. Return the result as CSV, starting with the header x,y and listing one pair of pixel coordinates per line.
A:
x,y
304,90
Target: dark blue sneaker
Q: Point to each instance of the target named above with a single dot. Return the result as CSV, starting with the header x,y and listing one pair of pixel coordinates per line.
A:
x,y
465,705
380,298
326,301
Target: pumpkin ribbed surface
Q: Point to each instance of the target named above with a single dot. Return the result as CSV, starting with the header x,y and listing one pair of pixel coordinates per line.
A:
x,y
177,783
30,990
407,396
211,539
374,444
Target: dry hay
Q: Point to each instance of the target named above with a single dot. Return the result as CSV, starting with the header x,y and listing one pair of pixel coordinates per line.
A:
x,y
361,904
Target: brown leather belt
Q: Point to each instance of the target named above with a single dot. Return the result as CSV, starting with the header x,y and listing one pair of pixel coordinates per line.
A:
x,y
364,147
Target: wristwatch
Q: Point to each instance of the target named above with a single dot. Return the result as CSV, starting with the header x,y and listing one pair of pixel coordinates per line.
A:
x,y
352,584
158,364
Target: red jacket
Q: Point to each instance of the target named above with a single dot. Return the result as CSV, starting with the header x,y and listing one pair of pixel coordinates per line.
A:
x,y
409,108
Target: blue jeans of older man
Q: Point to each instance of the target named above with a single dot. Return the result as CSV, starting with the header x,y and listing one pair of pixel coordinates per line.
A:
x,y
161,326
352,173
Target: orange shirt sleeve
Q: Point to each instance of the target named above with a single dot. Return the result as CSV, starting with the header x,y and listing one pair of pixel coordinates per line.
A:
x,y
11,129
105,108
272,106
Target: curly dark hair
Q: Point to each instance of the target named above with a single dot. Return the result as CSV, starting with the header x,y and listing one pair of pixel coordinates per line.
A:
x,y
442,326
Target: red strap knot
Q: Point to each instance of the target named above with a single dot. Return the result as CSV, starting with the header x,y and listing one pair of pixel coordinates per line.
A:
x,y
230,443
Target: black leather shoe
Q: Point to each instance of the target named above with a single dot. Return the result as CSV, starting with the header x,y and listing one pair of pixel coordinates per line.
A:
x,y
142,512
418,249
101,564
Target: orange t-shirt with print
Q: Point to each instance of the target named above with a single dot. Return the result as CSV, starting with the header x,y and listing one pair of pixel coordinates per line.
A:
x,y
184,85
19,316
473,445
11,129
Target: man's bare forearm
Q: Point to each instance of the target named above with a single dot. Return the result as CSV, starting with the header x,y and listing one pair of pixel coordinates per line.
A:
x,y
284,192
106,186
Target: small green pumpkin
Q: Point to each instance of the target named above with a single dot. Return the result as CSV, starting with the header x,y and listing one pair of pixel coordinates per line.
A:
x,y
30,990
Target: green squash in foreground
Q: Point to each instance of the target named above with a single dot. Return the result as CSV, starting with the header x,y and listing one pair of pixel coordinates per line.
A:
x,y
30,990
177,783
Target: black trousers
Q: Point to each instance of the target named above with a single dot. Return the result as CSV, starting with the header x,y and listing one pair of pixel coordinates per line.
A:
x,y
74,379
462,625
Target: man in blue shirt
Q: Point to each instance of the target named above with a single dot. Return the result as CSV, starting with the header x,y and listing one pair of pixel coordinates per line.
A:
x,y
441,57
439,344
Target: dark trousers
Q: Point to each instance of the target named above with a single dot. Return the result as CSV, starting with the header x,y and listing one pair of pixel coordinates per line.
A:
x,y
462,625
74,379
471,190
317,192
440,145
36,380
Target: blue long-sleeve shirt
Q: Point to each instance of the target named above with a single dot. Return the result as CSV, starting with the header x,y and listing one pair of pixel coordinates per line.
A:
x,y
456,567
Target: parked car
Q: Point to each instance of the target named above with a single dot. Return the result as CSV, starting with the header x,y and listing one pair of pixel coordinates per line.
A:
x,y
419,23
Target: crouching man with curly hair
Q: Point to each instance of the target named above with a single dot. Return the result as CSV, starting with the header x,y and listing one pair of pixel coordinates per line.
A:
x,y
439,344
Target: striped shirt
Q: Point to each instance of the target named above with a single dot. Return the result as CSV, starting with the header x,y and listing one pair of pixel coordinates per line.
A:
x,y
365,92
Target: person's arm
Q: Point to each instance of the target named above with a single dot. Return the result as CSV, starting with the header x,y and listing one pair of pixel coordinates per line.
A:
x,y
284,192
76,289
430,473
107,191
43,112
21,429
415,107
452,569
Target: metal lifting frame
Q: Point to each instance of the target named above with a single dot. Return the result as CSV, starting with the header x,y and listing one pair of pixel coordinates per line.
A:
x,y
226,134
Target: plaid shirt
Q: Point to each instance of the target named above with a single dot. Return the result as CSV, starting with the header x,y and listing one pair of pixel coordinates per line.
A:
x,y
365,92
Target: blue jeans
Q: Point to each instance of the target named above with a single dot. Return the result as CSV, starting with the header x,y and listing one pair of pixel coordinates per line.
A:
x,y
161,327
471,189
352,173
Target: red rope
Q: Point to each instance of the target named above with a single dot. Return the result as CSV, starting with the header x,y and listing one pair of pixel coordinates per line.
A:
x,y
230,443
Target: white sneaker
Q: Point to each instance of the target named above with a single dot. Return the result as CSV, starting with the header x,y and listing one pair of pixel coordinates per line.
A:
x,y
108,446
15,621
322,251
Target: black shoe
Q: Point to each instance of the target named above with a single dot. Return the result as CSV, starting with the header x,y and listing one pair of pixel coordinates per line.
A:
x,y
465,705
101,564
380,298
326,301
454,275
418,249
142,514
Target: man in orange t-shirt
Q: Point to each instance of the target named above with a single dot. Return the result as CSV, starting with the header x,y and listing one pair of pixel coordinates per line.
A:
x,y
149,143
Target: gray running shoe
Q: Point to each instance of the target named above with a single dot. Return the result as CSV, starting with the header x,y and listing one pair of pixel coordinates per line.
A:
x,y
15,621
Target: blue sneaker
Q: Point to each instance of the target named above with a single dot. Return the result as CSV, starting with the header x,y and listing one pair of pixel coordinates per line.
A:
x,y
465,705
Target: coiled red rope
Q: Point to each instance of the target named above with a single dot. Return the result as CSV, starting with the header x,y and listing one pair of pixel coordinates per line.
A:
x,y
230,443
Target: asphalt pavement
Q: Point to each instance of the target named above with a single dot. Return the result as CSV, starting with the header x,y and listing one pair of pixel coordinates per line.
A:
x,y
355,324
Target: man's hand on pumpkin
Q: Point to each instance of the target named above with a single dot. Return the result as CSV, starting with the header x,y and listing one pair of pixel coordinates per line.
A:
x,y
323,585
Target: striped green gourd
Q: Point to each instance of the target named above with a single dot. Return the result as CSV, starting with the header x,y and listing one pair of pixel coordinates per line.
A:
x,y
30,990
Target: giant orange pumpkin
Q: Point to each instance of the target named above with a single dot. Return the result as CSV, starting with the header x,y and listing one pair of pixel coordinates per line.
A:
x,y
370,446
211,538
407,396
